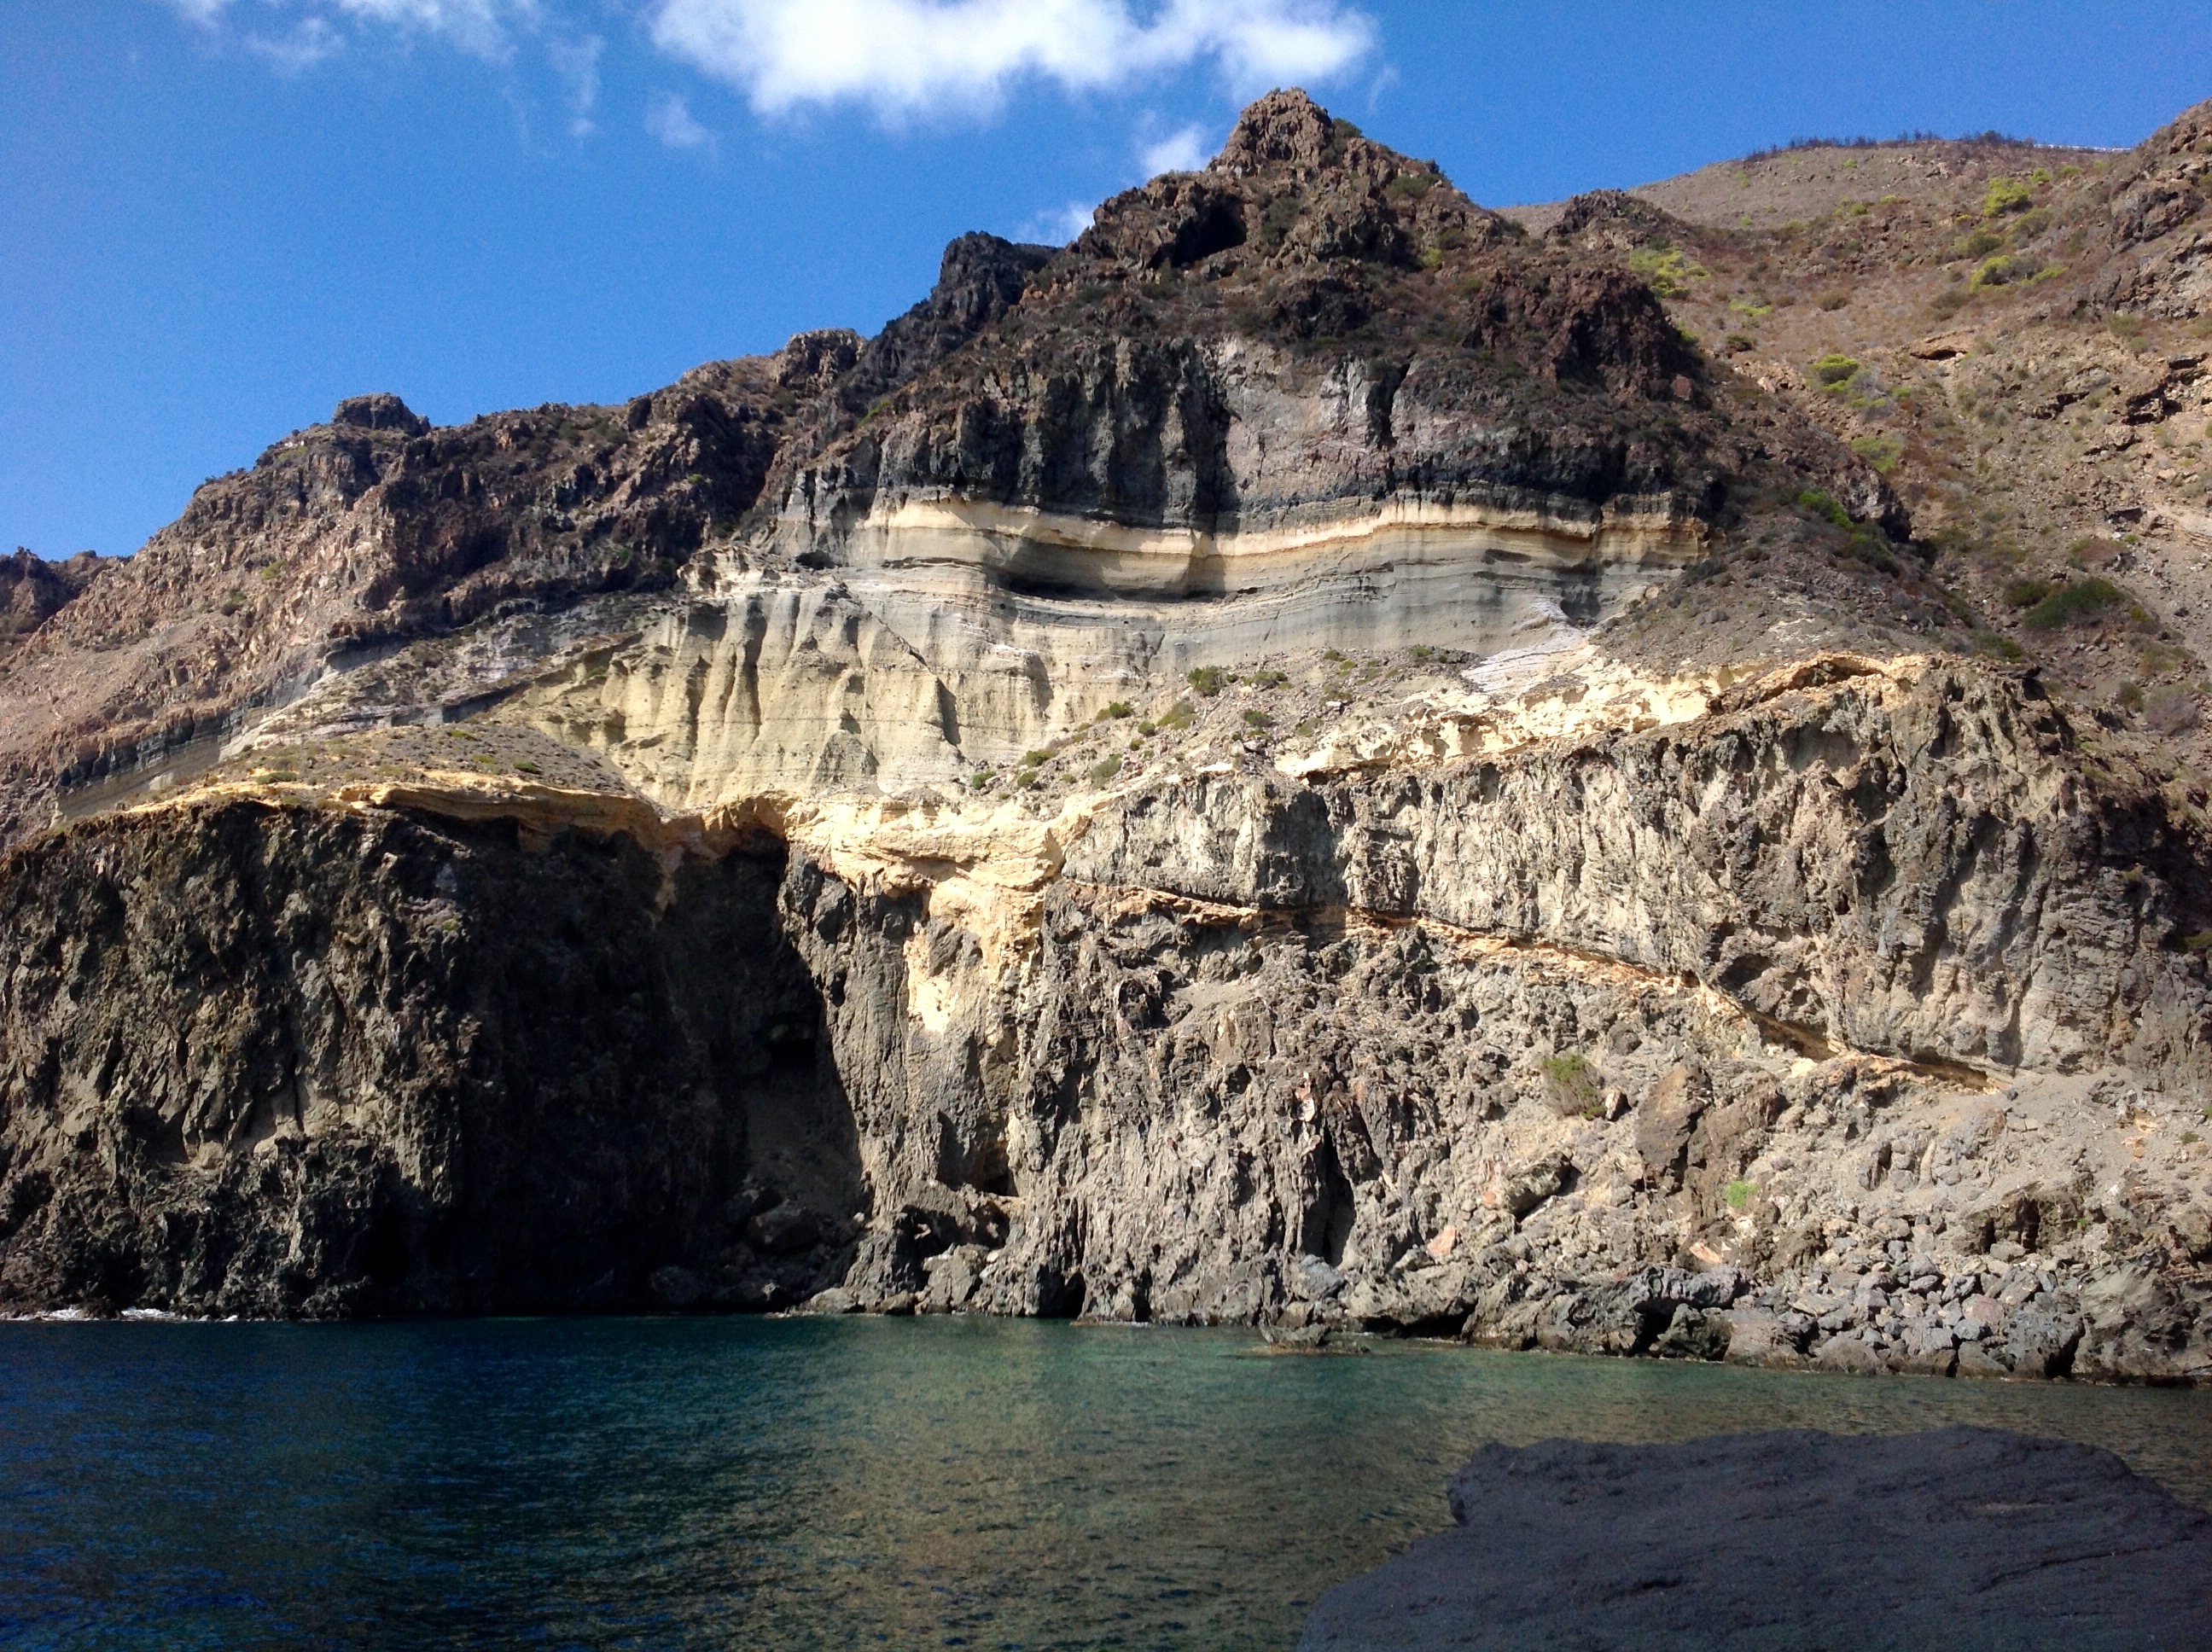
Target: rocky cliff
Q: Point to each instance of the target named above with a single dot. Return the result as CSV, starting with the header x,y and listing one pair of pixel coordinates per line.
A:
x,y
1309,758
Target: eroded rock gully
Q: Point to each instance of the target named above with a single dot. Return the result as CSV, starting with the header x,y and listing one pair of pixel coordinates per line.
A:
x,y
1847,1023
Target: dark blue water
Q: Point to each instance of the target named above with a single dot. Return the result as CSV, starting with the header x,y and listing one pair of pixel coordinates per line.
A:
x,y
814,1482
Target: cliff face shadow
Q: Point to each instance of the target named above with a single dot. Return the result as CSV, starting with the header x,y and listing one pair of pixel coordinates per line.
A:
x,y
665,1126
330,1064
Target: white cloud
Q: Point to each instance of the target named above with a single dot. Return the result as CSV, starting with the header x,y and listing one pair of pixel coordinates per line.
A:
x,y
481,27
1056,226
1187,150
668,118
308,43
577,63
910,58
478,25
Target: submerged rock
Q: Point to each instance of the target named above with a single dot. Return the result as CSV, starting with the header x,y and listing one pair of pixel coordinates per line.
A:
x,y
1963,1538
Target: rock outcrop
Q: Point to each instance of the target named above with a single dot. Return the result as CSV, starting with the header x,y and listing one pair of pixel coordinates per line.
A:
x,y
1966,1537
32,590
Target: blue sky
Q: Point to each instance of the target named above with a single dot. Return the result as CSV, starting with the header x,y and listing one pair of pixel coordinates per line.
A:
x,y
222,215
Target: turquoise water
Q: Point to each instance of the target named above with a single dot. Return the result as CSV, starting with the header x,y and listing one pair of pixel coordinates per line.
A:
x,y
810,1483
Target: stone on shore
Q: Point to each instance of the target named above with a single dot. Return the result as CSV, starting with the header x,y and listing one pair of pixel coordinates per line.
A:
x,y
1962,1538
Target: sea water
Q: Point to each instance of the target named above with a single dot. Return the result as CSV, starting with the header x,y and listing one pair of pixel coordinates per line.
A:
x,y
749,1483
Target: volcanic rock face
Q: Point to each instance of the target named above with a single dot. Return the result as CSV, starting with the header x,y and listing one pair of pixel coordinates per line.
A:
x,y
1752,1539
1427,1051
299,1062
1293,761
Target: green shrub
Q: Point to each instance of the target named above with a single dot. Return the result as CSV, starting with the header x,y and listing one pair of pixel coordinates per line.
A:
x,y
1208,680
1824,505
2130,696
1835,369
1119,709
2083,601
1421,650
1254,718
1665,270
2200,942
1883,453
1341,132
1570,1086
1267,679
1178,715
1411,186
1998,645
1103,772
1036,759
1279,218
1977,244
523,766
2158,659
2026,594
1739,1194
979,778
2006,194
2006,270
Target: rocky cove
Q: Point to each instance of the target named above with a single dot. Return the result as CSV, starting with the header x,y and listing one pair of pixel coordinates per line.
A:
x,y
1310,760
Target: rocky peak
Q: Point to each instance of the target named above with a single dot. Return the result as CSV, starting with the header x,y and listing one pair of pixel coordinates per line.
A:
x,y
1291,188
380,410
32,590
1285,128
1615,221
812,360
982,277
2190,133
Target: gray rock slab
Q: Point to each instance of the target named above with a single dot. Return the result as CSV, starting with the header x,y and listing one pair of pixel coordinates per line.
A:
x,y
1962,1539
